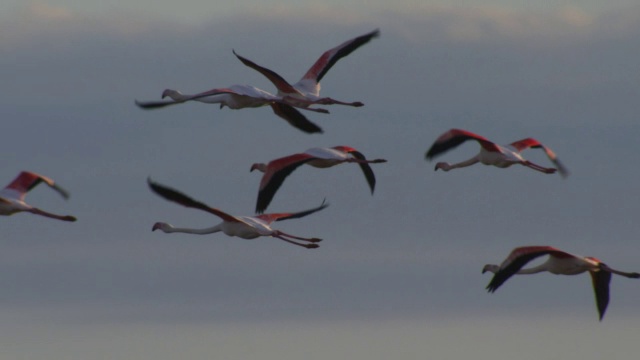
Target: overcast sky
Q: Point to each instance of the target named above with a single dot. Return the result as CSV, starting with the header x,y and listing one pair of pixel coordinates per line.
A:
x,y
398,273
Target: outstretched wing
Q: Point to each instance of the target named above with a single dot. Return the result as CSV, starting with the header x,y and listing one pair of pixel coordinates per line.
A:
x,y
269,218
366,169
330,57
295,118
535,144
455,137
517,259
277,170
280,83
600,280
184,200
25,181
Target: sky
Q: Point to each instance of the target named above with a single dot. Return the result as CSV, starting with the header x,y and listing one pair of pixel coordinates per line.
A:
x,y
398,274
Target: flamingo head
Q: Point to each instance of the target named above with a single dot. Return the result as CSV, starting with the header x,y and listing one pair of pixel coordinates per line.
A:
x,y
259,166
490,267
162,226
174,94
443,165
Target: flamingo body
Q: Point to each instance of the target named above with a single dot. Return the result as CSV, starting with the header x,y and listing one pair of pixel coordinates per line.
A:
x,y
492,153
277,170
13,195
240,97
245,227
559,263
306,91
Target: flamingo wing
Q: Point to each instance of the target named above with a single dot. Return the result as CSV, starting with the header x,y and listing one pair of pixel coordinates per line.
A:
x,y
455,137
532,143
600,280
277,170
295,118
184,200
280,83
269,218
25,181
366,169
517,259
330,57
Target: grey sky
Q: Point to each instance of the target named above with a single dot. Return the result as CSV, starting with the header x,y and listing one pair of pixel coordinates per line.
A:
x,y
398,273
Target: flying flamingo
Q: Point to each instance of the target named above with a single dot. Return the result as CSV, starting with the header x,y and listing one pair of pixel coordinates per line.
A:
x,y
306,92
277,170
246,227
239,97
492,153
559,263
12,196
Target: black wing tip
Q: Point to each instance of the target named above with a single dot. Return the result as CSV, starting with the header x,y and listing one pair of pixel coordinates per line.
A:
x,y
491,288
156,187
141,104
430,154
315,129
260,209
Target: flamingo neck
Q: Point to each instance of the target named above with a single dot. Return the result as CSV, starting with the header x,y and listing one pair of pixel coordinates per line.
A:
x,y
533,270
171,229
446,166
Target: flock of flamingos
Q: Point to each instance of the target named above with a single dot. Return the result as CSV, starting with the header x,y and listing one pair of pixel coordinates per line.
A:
x,y
305,95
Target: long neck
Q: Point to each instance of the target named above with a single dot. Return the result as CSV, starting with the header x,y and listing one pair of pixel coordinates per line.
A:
x,y
210,230
533,270
446,166
466,163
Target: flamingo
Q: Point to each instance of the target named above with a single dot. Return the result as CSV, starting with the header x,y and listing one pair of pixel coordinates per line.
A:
x,y
559,263
307,91
239,97
246,227
492,153
12,196
277,170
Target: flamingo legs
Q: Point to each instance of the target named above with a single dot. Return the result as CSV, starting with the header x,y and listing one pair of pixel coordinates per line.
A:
x,y
330,101
321,101
283,236
631,275
536,167
50,215
360,161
